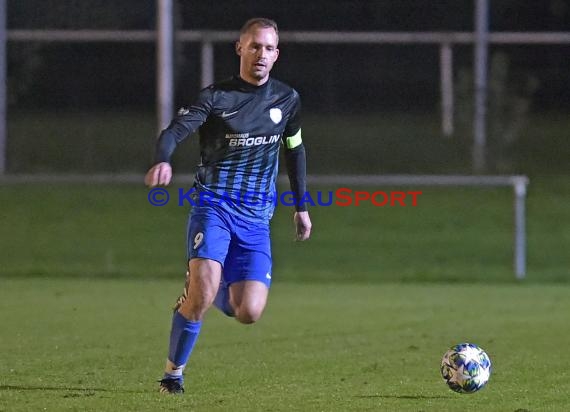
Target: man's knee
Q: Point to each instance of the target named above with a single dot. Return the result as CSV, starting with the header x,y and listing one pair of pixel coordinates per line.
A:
x,y
248,300
249,314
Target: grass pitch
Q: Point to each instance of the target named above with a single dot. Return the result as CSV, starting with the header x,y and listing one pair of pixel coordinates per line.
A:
x,y
453,234
99,345
358,318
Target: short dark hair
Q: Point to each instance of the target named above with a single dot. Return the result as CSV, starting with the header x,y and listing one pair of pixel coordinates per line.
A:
x,y
259,21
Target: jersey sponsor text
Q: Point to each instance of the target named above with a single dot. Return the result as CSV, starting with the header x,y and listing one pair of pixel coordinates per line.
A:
x,y
254,141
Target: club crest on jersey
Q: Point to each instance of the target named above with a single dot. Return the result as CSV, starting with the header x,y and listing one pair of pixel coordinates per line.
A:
x,y
275,115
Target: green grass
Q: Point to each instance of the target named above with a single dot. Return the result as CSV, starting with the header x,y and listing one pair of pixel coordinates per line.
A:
x,y
358,318
99,345
453,234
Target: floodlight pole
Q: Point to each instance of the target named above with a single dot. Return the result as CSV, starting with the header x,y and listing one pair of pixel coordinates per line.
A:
x,y
3,90
480,72
164,63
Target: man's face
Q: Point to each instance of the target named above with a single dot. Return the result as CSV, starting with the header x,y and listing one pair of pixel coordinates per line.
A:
x,y
258,51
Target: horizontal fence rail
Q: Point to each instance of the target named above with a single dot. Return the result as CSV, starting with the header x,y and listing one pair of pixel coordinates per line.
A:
x,y
290,36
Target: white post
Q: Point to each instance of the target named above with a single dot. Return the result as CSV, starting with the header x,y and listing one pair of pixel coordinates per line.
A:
x,y
480,72
164,63
207,62
446,74
520,228
3,96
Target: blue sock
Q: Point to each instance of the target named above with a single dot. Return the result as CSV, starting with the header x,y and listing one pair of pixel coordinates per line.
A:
x,y
222,300
183,336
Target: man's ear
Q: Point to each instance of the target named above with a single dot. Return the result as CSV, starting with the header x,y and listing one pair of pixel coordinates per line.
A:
x,y
238,48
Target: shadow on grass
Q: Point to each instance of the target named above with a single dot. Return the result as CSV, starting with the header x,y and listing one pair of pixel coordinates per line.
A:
x,y
402,397
74,392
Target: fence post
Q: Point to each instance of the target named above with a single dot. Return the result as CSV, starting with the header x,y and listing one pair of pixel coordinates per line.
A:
x,y
520,227
164,63
207,62
480,71
446,79
3,96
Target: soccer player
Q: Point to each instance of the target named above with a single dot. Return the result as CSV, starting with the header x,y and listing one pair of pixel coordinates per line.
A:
x,y
242,123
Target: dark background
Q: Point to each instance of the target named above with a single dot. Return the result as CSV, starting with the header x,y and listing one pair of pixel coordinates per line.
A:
x,y
356,77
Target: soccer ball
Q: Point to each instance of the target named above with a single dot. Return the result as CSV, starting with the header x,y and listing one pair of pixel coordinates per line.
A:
x,y
466,368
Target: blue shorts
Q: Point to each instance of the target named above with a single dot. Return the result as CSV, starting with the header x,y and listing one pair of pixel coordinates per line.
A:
x,y
242,247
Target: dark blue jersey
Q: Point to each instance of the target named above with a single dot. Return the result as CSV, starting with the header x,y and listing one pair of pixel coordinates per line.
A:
x,y
241,128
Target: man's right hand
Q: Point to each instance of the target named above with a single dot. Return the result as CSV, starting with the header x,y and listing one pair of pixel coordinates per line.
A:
x,y
303,225
158,175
